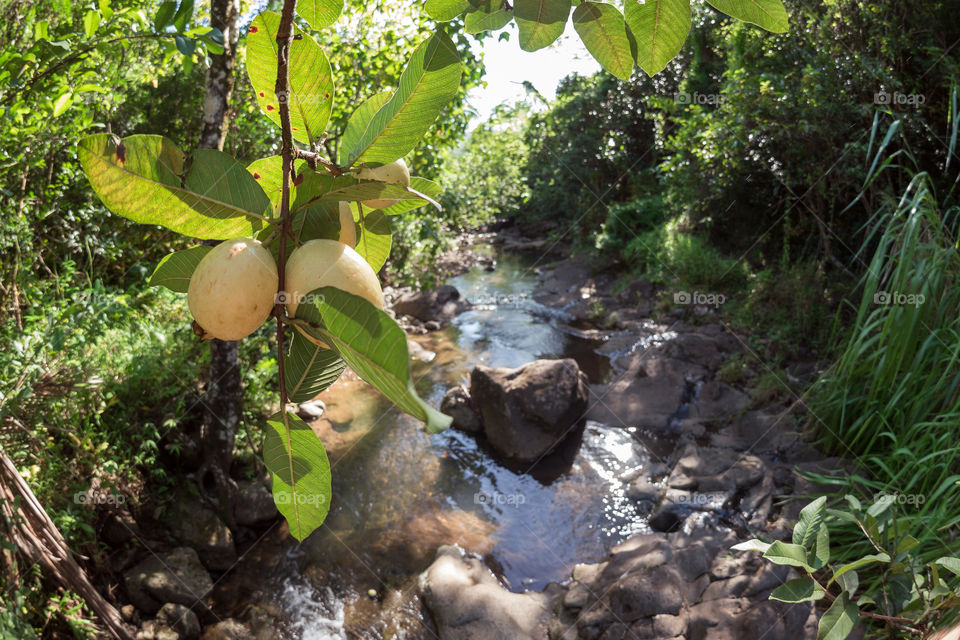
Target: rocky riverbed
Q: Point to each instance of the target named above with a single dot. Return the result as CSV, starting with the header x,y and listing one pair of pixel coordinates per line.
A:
x,y
608,451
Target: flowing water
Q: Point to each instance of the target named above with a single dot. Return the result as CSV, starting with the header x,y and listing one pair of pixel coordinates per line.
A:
x,y
399,493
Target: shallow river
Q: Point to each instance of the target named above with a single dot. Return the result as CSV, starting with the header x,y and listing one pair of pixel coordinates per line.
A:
x,y
399,493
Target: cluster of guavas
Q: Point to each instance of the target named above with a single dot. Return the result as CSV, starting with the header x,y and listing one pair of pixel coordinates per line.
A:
x,y
234,287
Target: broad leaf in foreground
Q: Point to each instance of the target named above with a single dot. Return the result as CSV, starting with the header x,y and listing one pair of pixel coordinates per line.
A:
x,y
374,239
142,178
358,123
311,81
175,269
301,473
308,368
422,185
660,28
767,14
481,20
320,13
428,83
604,32
839,620
540,22
789,554
374,346
798,590
444,10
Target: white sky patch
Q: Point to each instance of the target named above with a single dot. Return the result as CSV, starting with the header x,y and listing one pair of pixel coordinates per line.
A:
x,y
508,66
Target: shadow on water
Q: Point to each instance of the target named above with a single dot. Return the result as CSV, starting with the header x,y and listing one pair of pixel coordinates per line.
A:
x,y
400,493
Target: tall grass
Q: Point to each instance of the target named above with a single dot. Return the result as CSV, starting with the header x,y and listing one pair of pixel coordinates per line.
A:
x,y
891,401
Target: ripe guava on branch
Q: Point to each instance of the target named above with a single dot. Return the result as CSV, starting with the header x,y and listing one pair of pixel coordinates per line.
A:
x,y
328,263
395,172
233,289
348,230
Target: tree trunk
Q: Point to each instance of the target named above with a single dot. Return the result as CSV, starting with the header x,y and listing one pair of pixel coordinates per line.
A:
x,y
224,396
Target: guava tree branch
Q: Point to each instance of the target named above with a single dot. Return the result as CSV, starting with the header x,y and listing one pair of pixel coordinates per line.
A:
x,y
287,154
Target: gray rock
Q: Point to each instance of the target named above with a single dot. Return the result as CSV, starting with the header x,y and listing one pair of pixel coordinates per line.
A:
x,y
646,594
718,400
254,504
458,405
163,632
527,412
642,489
176,576
181,619
440,305
468,603
194,524
646,396
310,411
229,629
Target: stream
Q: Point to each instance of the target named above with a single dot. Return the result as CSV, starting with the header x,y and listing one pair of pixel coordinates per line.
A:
x,y
400,493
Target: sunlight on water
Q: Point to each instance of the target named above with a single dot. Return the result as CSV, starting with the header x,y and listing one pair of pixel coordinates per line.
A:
x,y
313,614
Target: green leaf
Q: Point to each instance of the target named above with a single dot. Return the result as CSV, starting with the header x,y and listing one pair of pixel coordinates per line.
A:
x,y
320,13
424,186
445,10
839,620
950,564
164,15
540,22
175,269
602,28
374,346
789,554
856,564
374,238
752,545
311,80
308,368
91,22
766,14
798,590
62,104
907,544
185,45
480,20
429,81
142,178
183,15
849,582
660,28
301,473
811,532
359,121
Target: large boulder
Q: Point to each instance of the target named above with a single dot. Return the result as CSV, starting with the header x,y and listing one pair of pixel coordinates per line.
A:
x,y
196,525
467,602
176,576
440,305
526,412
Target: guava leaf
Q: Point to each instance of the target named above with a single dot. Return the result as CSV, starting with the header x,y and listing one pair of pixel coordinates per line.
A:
x,y
374,238
766,14
445,10
660,28
268,172
798,590
604,32
789,554
374,346
322,186
311,80
320,13
839,620
301,473
422,185
540,22
142,178
482,20
358,123
308,369
429,81
175,270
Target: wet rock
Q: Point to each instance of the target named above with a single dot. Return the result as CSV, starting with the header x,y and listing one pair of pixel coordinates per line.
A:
x,y
647,395
645,594
229,629
642,489
458,405
527,412
440,305
467,602
176,576
254,504
180,619
709,346
310,411
196,525
163,632
718,400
